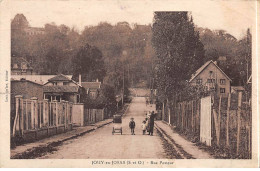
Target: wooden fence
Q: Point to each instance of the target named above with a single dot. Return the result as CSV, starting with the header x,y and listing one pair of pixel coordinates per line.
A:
x,y
92,116
231,127
35,119
186,116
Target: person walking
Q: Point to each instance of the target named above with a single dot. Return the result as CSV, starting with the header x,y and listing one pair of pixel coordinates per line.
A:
x,y
132,126
152,123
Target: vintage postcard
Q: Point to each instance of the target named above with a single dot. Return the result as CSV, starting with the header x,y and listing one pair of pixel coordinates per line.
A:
x,y
152,83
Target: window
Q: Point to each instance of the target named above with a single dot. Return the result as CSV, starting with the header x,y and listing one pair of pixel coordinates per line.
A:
x,y
222,81
199,81
211,81
55,83
222,90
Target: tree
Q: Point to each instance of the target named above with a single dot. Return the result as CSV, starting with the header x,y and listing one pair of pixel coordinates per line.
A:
x,y
178,49
89,62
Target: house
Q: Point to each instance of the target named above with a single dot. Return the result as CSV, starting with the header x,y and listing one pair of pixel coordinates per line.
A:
x,y
61,87
27,89
40,79
92,88
212,77
20,66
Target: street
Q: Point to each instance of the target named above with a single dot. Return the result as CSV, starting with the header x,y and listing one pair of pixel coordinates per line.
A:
x,y
102,144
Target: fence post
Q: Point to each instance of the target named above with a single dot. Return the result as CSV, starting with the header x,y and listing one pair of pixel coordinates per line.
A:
x,y
219,118
17,115
216,125
26,114
35,111
238,119
22,116
227,123
66,114
198,115
56,111
45,112
182,114
192,119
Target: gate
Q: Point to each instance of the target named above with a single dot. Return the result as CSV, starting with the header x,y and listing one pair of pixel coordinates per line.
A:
x,y
205,121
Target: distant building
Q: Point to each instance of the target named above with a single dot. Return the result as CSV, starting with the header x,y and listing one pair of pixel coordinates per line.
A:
x,y
212,77
20,66
92,88
61,87
34,31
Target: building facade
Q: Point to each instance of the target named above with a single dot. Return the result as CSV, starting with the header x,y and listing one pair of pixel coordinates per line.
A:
x,y
92,88
61,88
212,77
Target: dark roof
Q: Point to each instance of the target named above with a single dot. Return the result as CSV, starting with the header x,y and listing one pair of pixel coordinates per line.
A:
x,y
203,67
91,85
60,89
60,77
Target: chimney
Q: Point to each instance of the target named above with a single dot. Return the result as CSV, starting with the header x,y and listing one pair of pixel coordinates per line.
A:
x,y
79,79
97,80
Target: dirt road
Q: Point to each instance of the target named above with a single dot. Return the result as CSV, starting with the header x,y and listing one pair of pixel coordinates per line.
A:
x,y
102,144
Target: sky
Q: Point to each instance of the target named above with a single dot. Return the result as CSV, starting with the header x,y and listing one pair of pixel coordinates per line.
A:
x,y
233,16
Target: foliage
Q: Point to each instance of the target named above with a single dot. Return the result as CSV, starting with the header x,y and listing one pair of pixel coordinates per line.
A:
x,y
236,53
105,99
89,63
178,49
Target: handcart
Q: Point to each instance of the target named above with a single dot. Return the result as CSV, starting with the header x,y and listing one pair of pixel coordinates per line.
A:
x,y
117,124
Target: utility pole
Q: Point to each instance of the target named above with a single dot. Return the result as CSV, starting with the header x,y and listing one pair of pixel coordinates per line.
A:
x,y
123,85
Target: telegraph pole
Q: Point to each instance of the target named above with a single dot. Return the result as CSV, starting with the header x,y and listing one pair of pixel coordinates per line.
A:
x,y
123,85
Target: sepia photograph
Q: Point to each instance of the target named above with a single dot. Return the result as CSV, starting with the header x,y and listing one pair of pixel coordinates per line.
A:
x,y
132,84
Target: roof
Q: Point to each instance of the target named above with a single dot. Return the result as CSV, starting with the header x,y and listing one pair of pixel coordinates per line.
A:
x,y
40,79
60,89
203,67
91,85
24,80
59,77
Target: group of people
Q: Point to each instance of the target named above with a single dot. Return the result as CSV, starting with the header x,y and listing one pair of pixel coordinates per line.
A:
x,y
147,124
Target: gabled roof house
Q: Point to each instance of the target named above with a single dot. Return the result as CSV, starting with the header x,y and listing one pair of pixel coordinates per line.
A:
x,y
61,87
212,77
